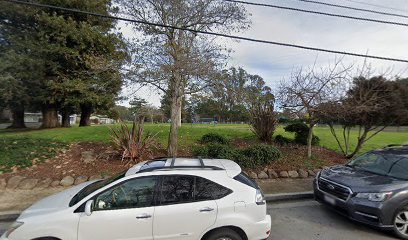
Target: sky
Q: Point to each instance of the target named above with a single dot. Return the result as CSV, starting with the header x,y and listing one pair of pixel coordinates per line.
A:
x,y
275,63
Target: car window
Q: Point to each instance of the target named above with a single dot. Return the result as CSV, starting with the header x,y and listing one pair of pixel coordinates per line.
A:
x,y
135,193
93,187
372,162
177,189
393,165
208,190
243,178
400,169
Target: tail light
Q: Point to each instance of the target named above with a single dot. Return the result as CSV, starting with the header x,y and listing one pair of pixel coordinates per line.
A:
x,y
259,197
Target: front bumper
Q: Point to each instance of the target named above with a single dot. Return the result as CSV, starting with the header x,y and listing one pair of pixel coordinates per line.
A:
x,y
376,214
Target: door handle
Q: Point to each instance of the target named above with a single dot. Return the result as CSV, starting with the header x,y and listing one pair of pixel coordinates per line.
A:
x,y
206,209
144,216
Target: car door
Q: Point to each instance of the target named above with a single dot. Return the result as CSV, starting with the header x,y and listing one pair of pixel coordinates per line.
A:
x,y
124,211
180,213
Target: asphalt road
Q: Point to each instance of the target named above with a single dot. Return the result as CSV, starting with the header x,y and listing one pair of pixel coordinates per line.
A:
x,y
4,226
308,220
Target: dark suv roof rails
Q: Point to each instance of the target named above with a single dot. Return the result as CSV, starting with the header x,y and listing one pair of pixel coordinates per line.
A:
x,y
394,145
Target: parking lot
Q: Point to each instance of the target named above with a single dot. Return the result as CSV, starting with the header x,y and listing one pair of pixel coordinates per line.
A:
x,y
308,220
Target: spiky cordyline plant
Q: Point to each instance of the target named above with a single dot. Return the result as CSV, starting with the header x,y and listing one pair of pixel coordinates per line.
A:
x,y
133,144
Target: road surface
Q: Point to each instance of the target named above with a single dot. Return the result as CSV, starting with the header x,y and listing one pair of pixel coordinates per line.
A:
x,y
308,220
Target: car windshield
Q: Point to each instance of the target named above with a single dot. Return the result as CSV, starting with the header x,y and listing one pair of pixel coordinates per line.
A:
x,y
386,164
93,187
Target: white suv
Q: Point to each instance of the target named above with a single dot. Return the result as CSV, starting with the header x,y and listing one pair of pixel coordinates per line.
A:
x,y
171,198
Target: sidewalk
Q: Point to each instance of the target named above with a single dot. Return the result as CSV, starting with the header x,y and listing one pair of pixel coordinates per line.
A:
x,y
279,186
18,200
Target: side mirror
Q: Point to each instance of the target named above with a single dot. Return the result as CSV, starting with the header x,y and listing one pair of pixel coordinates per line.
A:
x,y
88,207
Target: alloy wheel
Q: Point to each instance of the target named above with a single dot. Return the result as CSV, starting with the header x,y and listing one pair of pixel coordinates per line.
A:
x,y
401,223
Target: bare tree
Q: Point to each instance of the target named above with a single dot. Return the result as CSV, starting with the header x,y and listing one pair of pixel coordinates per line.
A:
x,y
370,105
263,116
307,89
175,61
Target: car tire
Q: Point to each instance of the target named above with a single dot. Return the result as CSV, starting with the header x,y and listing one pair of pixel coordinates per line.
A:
x,y
224,234
400,223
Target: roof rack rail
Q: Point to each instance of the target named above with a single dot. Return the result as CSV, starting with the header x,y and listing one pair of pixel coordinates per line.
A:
x,y
393,145
179,167
173,166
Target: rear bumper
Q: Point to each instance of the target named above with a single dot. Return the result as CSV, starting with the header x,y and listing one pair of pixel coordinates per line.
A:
x,y
360,210
260,230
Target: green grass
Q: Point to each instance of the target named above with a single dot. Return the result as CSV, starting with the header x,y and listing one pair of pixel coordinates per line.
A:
x,y
191,133
188,134
37,143
23,152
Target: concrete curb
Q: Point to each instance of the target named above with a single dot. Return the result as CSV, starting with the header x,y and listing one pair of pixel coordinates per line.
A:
x,y
288,196
9,216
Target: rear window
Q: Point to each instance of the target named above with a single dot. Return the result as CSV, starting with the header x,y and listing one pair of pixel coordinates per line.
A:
x,y
243,178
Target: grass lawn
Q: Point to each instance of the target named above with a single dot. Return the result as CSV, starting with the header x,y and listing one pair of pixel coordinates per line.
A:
x,y
25,152
191,133
40,144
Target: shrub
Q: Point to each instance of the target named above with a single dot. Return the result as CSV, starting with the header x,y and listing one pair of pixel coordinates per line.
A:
x,y
131,142
200,150
301,131
258,156
213,138
252,157
214,150
263,117
279,139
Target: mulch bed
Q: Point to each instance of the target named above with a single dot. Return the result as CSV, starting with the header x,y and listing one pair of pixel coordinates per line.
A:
x,y
295,157
108,161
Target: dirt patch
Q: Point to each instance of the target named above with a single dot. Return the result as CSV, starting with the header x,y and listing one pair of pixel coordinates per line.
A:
x,y
107,160
294,157
70,163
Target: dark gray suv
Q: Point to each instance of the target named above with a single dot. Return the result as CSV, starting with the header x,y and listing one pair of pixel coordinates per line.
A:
x,y
372,189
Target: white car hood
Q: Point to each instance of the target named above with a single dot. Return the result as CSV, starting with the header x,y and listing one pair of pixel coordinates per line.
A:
x,y
53,203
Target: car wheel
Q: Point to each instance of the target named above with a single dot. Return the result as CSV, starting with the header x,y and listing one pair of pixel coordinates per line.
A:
x,y
401,223
224,234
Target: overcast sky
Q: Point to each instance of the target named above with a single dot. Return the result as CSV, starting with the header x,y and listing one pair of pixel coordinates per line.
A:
x,y
274,63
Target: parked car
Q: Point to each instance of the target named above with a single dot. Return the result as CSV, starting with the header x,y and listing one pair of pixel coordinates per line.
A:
x,y
372,189
162,199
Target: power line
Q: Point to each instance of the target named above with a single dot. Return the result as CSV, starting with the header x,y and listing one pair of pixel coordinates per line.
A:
x,y
354,8
207,33
376,5
319,13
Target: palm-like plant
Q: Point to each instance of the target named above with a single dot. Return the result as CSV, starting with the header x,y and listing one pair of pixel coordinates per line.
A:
x,y
133,144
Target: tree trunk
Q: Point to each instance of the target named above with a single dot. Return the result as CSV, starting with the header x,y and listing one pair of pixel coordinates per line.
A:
x,y
18,117
141,121
86,111
179,115
360,142
50,116
175,117
309,141
66,123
